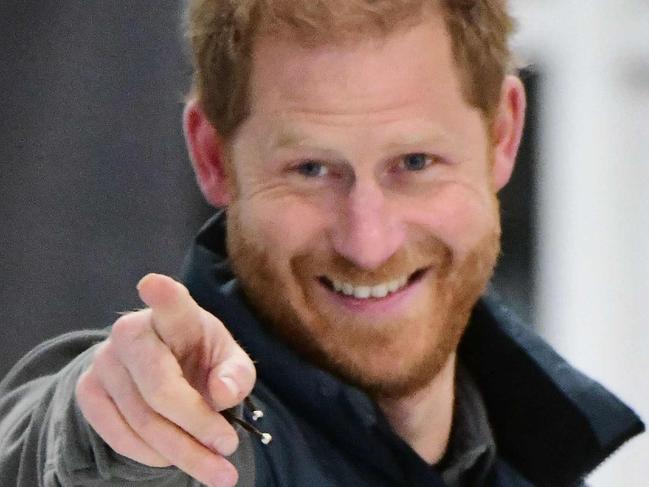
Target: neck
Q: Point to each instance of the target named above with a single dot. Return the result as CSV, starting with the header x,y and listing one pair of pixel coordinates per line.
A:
x,y
424,419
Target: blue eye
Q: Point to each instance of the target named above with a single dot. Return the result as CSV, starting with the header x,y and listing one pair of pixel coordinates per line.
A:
x,y
312,169
416,162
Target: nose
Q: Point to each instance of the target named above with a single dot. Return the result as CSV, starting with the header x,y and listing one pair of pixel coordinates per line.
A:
x,y
367,231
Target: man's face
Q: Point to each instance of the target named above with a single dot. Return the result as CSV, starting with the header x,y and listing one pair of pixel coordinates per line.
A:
x,y
363,223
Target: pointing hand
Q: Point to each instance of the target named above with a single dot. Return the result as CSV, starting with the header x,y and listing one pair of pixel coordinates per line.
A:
x,y
156,386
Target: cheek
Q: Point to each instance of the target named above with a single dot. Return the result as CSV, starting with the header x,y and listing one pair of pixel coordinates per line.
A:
x,y
283,228
460,215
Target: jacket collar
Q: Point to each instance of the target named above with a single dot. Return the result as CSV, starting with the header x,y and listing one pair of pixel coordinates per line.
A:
x,y
551,423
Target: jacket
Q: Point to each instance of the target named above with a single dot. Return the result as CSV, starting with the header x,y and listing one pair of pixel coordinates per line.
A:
x,y
552,425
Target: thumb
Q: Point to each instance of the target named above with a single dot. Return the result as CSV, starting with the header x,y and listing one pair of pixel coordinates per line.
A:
x,y
183,325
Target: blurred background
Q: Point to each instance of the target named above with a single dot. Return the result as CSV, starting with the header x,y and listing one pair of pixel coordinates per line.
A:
x,y
96,188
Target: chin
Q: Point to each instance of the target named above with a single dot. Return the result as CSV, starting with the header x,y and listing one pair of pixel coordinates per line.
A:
x,y
400,369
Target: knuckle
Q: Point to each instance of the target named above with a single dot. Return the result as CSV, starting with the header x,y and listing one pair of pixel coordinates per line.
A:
x,y
130,326
247,376
246,389
89,399
160,396
107,365
84,388
124,444
250,376
142,420
246,381
102,356
211,319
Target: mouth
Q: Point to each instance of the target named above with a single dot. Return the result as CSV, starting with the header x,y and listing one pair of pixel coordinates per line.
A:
x,y
375,291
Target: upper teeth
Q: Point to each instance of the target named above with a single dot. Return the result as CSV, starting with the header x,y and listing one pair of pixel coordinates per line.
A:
x,y
365,292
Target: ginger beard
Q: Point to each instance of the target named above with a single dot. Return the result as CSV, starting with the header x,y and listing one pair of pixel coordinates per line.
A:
x,y
388,358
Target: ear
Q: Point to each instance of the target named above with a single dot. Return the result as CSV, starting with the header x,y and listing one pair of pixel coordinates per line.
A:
x,y
507,130
206,150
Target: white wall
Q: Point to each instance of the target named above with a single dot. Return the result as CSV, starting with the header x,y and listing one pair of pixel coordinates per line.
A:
x,y
593,235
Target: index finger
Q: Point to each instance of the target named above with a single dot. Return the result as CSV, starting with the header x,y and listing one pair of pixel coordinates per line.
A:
x,y
176,316
186,328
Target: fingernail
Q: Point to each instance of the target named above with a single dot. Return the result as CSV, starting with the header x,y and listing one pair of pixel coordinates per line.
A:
x,y
139,284
231,385
147,277
226,445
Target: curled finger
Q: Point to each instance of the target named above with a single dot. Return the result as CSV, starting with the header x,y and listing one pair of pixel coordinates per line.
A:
x,y
103,416
169,440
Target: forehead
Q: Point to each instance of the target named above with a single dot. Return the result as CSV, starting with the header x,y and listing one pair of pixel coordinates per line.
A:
x,y
411,62
406,81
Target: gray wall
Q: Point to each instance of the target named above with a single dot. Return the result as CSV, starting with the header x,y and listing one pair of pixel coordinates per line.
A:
x,y
96,188
95,185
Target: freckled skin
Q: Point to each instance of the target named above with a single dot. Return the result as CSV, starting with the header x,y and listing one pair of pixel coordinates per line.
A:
x,y
358,110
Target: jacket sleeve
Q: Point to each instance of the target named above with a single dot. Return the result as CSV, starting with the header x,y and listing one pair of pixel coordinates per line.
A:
x,y
45,440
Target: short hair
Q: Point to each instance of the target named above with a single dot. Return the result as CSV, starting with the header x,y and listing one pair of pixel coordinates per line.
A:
x,y
222,35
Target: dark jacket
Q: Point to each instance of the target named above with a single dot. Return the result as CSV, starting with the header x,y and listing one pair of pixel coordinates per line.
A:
x,y
552,425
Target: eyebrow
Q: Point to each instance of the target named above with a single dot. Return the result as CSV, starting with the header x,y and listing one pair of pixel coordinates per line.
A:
x,y
286,138
423,136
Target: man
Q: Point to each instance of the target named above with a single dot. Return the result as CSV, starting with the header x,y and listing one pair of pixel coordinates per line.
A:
x,y
357,148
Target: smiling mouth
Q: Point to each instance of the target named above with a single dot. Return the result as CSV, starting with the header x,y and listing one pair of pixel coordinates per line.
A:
x,y
378,291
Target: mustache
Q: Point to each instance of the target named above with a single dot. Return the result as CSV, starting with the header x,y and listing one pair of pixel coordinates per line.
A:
x,y
421,254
